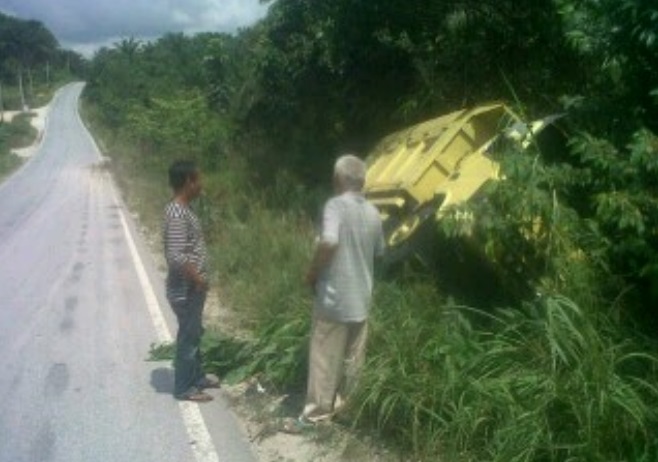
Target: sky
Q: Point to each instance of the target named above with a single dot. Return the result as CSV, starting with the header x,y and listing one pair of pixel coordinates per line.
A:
x,y
86,25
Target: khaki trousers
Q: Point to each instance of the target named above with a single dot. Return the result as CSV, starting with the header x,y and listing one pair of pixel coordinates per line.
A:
x,y
336,357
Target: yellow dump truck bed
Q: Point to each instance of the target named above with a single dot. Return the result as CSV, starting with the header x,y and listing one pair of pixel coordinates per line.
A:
x,y
429,165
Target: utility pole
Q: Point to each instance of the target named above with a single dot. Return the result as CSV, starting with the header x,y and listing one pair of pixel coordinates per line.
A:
x,y
2,108
20,89
29,79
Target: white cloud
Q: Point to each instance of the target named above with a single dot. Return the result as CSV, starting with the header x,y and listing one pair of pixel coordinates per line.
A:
x,y
85,25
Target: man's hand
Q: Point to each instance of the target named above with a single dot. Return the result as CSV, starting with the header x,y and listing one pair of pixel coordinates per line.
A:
x,y
311,279
201,285
193,275
324,253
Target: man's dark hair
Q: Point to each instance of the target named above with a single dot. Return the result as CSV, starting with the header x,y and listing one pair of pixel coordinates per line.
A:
x,y
179,172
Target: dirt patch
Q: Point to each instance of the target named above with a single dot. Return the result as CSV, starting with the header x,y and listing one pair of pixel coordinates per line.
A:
x,y
262,413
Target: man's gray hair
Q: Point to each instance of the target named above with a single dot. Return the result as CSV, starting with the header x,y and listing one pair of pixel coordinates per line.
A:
x,y
351,172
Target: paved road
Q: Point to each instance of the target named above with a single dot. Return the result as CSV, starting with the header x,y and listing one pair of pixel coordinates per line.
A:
x,y
79,307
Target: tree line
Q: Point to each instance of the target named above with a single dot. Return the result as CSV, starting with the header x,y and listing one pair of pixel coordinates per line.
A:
x,y
30,56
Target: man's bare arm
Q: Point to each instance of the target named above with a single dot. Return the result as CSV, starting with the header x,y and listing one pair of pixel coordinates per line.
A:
x,y
324,253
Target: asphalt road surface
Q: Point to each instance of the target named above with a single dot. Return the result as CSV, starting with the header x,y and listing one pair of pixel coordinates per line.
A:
x,y
80,304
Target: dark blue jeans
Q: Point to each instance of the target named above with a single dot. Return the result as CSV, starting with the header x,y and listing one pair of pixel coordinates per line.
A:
x,y
187,364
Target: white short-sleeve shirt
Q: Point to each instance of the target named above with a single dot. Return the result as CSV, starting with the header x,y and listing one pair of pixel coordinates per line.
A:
x,y
344,288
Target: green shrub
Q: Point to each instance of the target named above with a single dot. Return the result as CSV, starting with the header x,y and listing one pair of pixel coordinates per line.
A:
x,y
19,133
547,381
260,256
14,135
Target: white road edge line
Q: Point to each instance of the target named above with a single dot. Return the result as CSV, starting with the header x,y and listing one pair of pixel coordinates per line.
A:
x,y
201,441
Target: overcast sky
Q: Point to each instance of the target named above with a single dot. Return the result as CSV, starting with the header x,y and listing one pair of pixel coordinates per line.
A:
x,y
85,25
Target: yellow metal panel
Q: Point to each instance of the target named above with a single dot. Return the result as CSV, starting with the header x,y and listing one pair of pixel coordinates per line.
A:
x,y
443,156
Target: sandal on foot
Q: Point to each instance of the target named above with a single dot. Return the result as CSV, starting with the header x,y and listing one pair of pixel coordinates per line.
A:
x,y
195,396
296,426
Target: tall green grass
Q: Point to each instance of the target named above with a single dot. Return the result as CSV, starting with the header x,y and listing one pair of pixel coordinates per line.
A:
x,y
546,381
550,380
260,255
542,382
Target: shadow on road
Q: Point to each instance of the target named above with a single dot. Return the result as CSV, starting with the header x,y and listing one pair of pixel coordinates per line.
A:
x,y
162,380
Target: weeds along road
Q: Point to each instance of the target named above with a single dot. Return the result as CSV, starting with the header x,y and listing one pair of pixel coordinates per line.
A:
x,y
79,308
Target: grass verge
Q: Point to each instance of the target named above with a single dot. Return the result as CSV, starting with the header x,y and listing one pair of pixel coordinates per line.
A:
x,y
545,381
14,135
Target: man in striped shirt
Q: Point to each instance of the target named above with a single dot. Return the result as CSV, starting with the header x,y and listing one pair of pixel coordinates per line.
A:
x,y
187,280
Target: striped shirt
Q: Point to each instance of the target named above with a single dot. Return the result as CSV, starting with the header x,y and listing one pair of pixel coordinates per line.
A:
x,y
183,243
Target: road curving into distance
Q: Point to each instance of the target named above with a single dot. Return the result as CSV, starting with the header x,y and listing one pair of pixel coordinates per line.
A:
x,y
80,305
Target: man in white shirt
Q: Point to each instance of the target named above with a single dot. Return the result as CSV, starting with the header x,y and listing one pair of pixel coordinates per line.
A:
x,y
341,275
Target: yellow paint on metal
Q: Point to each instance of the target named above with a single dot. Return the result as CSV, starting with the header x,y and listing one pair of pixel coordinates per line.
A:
x,y
419,171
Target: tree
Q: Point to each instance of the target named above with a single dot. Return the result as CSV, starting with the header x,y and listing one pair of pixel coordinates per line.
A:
x,y
618,39
25,47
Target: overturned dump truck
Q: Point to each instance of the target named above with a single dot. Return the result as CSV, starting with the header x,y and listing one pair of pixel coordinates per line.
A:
x,y
415,174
